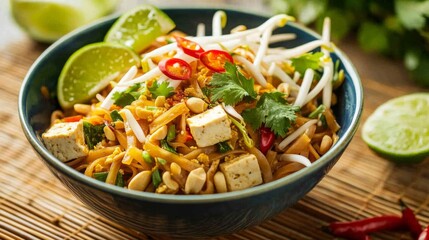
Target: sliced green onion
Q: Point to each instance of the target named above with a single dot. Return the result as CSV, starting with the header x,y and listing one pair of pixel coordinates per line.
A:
x,y
166,146
319,110
224,147
102,176
161,161
171,134
147,157
156,178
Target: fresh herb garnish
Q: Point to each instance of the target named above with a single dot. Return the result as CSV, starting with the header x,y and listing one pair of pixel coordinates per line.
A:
x,y
116,116
128,96
273,111
166,146
93,134
307,60
224,147
162,89
231,86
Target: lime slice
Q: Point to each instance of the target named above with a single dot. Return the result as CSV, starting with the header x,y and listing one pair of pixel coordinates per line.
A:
x,y
139,27
48,20
90,69
399,129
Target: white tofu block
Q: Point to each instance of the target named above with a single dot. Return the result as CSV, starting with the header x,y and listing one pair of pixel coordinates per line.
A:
x,y
241,172
210,127
66,141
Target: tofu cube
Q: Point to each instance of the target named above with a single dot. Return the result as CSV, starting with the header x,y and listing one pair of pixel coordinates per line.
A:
x,y
210,127
241,172
66,140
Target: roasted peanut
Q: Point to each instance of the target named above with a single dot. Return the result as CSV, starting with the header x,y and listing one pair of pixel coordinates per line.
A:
x,y
110,135
195,181
140,181
82,108
170,183
196,105
159,134
326,144
220,182
175,169
284,88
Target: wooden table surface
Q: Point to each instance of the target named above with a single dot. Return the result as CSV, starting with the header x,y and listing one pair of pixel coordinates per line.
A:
x,y
33,204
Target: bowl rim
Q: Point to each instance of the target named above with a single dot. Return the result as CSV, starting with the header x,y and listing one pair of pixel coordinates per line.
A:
x,y
186,199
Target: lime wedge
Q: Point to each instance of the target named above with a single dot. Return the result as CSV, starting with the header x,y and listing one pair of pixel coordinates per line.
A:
x,y
399,128
90,69
139,27
48,20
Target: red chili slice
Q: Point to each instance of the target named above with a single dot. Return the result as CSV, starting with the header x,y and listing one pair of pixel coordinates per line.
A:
x,y
175,68
266,140
215,60
189,47
76,118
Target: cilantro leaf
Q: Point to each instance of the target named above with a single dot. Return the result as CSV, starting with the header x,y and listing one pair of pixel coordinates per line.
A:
x,y
128,96
307,60
93,134
273,111
231,86
162,89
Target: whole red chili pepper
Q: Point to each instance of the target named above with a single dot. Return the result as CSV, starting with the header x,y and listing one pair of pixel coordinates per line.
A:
x,y
266,140
360,228
410,220
425,234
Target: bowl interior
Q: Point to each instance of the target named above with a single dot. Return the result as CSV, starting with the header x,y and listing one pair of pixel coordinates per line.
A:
x,y
35,109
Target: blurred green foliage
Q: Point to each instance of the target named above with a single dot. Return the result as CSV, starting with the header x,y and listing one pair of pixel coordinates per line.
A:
x,y
395,28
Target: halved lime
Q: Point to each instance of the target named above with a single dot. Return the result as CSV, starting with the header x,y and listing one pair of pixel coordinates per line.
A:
x,y
139,27
399,128
90,69
48,20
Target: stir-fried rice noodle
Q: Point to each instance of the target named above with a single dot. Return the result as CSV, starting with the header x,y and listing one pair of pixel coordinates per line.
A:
x,y
180,135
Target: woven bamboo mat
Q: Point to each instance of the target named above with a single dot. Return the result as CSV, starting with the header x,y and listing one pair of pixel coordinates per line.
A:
x,y
34,205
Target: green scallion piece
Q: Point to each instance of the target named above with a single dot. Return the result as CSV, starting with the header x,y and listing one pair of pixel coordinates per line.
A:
x,y
156,178
171,134
146,157
316,113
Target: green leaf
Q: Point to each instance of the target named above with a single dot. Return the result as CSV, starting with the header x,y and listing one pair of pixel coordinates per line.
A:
x,y
128,96
93,134
412,13
307,60
373,37
116,116
273,111
231,86
162,89
341,23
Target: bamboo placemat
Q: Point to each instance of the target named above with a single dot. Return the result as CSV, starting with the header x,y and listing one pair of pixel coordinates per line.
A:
x,y
34,205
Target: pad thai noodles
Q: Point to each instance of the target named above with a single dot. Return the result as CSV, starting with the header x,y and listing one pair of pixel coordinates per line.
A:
x,y
207,114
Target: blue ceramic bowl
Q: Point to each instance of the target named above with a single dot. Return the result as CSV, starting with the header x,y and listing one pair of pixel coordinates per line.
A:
x,y
185,216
